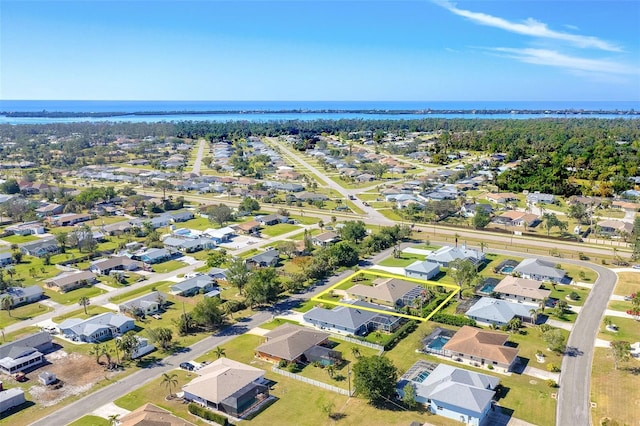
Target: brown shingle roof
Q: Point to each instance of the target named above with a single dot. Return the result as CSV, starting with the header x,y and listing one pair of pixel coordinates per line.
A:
x,y
152,415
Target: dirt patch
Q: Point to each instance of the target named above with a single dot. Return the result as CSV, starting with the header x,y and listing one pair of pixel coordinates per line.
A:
x,y
77,373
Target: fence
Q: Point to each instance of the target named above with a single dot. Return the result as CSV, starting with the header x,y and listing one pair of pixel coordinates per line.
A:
x,y
379,348
312,382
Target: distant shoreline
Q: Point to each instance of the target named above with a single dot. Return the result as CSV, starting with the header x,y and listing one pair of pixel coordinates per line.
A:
x,y
568,112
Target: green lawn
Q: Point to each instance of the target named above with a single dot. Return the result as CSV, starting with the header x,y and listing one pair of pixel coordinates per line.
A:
x,y
615,392
562,291
19,239
306,306
90,421
628,329
73,296
529,341
279,229
628,283
277,322
21,313
168,266
138,292
79,313
574,272
405,259
621,306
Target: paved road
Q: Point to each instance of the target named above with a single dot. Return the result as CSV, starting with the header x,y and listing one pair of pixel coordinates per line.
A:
x,y
198,162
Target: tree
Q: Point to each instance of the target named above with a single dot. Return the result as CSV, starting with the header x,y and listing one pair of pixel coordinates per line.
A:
x,y
555,339
355,351
164,185
463,273
207,313
343,253
84,301
128,343
113,419
17,256
481,218
249,205
635,306
263,287
219,214
161,336
514,324
620,351
61,238
10,186
375,378
184,323
238,274
219,352
287,248
6,302
636,239
99,350
217,258
409,396
170,380
579,212
353,230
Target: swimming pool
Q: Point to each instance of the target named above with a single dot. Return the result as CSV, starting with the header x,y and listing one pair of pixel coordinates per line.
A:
x,y
420,377
488,288
438,343
507,269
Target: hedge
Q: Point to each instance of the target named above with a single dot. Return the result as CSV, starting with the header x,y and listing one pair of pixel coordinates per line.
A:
x,y
208,414
456,320
400,334
426,310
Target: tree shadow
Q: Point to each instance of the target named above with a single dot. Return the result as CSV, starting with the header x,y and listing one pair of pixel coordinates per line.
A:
x,y
572,351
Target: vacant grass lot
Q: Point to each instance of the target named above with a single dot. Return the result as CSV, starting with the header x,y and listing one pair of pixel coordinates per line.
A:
x,y
405,259
562,291
615,392
21,313
138,291
73,296
628,282
19,239
628,329
279,229
91,421
168,266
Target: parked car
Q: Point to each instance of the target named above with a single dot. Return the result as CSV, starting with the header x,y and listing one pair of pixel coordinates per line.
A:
x,y
187,366
636,266
628,298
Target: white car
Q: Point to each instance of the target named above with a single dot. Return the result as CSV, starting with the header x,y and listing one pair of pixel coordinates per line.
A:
x,y
636,266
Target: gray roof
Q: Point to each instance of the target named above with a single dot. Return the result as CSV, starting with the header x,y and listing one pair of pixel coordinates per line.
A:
x,y
423,267
140,301
17,292
539,267
88,326
347,317
200,281
266,257
448,254
457,387
495,310
156,253
29,341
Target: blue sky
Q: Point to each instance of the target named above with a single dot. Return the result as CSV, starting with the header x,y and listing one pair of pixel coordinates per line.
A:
x,y
320,50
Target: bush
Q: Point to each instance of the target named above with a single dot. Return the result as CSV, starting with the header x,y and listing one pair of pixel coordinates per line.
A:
x,y
400,334
490,366
435,302
553,368
199,411
282,363
552,383
456,320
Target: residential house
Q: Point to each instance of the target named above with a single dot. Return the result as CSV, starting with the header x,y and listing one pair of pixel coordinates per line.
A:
x,y
248,228
324,239
491,311
117,228
147,304
49,209
521,290
40,248
540,270
195,285
228,386
447,254
365,177
6,258
24,353
221,235
70,281
538,197
68,219
293,343
310,196
271,219
352,320
615,227
476,345
218,273
97,328
150,414
156,255
24,295
10,398
517,218
422,269
27,228
392,292
116,263
264,259
501,197
470,210
189,245
461,395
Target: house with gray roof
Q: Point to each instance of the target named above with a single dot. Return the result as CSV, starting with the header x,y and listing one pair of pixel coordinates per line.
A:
x,y
539,197
155,255
68,281
24,295
352,319
293,343
147,304
116,263
499,312
193,286
451,392
97,328
6,258
264,259
41,247
24,353
422,269
189,245
541,270
447,254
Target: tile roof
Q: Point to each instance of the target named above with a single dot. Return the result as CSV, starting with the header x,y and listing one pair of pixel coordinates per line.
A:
x,y
482,344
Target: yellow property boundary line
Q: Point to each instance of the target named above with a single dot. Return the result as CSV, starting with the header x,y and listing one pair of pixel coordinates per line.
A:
x,y
455,289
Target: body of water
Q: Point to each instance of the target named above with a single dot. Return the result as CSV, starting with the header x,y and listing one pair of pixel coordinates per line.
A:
x,y
308,110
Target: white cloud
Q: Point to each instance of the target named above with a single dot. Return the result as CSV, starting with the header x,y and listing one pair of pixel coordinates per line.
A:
x,y
529,27
556,59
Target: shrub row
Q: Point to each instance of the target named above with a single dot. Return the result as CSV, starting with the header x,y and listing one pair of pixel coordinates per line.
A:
x,y
208,415
456,320
426,310
400,334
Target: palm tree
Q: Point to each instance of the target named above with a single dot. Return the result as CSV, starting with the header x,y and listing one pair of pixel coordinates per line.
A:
x,y
84,302
356,352
534,315
219,352
331,371
483,245
113,419
169,381
7,303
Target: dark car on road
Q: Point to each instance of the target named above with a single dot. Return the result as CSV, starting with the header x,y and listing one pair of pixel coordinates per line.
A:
x,y
187,366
